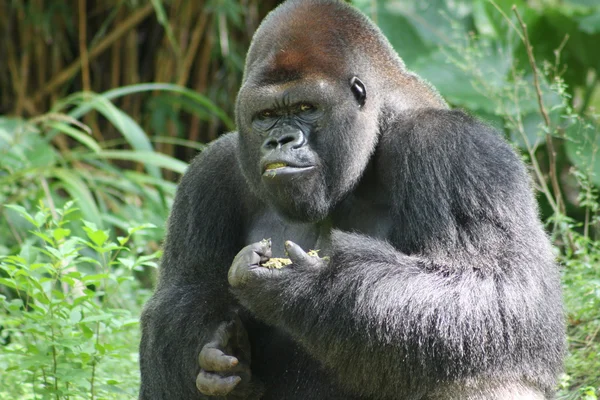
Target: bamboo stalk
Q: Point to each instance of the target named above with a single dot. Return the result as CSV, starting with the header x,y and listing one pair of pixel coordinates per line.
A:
x,y
67,73
83,51
40,51
116,59
203,70
24,64
13,67
192,51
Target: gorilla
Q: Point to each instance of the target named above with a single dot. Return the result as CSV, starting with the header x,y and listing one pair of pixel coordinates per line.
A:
x,y
434,277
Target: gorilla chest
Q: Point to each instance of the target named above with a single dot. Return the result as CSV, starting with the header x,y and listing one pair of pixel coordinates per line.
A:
x,y
353,215
268,225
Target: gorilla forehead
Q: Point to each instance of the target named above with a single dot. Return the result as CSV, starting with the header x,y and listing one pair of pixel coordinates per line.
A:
x,y
308,37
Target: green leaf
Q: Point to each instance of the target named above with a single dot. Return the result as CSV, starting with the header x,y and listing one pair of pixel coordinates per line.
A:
x,y
8,130
95,278
483,22
148,87
75,316
60,233
96,318
130,130
9,283
149,158
87,332
99,237
81,137
162,18
80,193
583,149
22,212
590,23
44,237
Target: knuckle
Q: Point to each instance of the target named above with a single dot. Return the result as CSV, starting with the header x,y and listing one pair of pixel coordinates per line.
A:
x,y
215,385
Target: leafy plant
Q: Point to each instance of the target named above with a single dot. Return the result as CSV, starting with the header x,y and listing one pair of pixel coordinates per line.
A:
x,y
54,157
68,310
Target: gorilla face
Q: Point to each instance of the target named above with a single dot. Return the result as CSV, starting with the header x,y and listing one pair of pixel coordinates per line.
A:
x,y
304,142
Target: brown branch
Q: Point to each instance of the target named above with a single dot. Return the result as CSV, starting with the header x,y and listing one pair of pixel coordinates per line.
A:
x,y
113,36
547,122
192,50
83,51
24,64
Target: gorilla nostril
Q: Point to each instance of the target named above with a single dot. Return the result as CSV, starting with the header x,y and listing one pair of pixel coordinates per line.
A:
x,y
286,141
270,144
293,141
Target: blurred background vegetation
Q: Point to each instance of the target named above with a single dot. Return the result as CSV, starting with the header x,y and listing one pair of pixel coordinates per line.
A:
x,y
103,104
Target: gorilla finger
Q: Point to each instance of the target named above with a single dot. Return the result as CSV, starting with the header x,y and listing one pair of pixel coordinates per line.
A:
x,y
263,249
239,339
298,255
212,359
238,274
254,254
222,335
216,385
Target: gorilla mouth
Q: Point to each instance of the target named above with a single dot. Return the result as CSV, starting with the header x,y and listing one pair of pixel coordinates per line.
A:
x,y
275,165
280,170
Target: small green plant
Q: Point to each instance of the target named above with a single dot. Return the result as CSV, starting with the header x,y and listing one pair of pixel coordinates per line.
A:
x,y
69,309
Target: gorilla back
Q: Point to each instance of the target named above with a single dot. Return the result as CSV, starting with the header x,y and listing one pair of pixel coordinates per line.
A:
x,y
438,281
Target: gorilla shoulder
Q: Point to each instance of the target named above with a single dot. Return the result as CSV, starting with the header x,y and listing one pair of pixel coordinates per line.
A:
x,y
218,165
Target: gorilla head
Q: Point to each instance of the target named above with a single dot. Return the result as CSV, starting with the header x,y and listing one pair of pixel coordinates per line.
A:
x,y
310,106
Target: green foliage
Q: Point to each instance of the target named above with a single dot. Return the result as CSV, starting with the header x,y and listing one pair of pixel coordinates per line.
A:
x,y
69,302
58,151
67,312
581,282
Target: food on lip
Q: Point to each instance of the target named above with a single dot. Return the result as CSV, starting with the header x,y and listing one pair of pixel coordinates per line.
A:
x,y
275,165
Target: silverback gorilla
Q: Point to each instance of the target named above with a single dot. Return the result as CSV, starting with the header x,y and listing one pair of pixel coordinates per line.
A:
x,y
435,278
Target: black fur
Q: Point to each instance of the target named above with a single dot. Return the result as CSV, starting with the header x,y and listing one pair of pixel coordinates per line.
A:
x,y
440,283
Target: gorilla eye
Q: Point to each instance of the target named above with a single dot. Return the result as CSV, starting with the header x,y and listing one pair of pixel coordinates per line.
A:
x,y
359,91
306,107
265,114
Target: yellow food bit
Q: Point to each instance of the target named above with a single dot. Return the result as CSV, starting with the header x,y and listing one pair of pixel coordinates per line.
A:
x,y
277,263
276,165
282,262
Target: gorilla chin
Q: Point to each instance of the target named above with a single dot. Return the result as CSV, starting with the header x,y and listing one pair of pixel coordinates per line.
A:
x,y
285,189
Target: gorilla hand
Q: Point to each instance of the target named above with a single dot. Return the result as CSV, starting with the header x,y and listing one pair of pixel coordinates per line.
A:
x,y
246,264
262,290
225,363
246,267
301,259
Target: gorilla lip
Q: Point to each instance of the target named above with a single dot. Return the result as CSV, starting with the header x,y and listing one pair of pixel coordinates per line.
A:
x,y
275,165
281,169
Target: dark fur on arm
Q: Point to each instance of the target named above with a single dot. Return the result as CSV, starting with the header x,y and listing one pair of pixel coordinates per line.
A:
x,y
192,296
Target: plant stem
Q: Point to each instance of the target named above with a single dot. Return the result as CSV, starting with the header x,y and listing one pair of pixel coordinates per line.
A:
x,y
547,122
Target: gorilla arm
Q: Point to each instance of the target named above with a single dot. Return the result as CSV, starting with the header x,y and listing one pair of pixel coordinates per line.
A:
x,y
479,305
192,305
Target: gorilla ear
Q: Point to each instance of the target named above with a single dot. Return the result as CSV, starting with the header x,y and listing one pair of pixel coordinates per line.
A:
x,y
359,91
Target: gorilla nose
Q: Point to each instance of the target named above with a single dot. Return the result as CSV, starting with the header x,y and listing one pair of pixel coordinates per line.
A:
x,y
284,139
